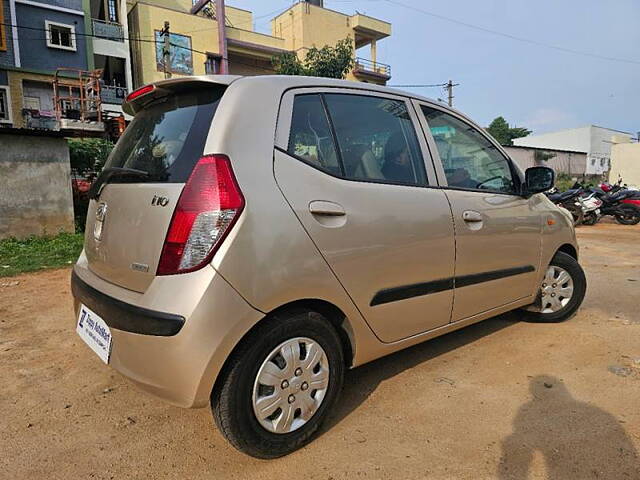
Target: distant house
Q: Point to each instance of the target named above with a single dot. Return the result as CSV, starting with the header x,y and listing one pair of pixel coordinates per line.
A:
x,y
195,50
64,64
625,163
595,141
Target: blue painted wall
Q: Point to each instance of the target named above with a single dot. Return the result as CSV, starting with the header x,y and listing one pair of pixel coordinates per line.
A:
x,y
72,4
6,58
34,53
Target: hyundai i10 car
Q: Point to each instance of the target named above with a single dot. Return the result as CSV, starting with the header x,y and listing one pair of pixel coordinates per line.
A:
x,y
250,238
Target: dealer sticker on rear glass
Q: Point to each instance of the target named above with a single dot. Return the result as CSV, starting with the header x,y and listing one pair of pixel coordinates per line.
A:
x,y
95,333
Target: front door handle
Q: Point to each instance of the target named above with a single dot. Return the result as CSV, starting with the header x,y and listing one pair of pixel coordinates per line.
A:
x,y
326,209
471,216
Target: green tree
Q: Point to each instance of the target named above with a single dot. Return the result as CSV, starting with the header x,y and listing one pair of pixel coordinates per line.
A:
x,y
328,61
88,154
541,156
503,133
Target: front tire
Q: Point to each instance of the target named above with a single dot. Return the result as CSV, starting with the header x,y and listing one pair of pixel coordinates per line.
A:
x,y
630,215
561,292
279,385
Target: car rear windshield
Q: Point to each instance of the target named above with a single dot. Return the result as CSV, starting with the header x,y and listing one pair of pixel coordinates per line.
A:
x,y
167,137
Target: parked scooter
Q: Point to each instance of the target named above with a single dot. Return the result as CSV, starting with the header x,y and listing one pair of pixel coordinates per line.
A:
x,y
591,205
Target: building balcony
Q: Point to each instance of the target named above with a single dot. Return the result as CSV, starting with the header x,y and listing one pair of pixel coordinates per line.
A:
x,y
254,44
113,95
368,69
108,30
369,28
36,120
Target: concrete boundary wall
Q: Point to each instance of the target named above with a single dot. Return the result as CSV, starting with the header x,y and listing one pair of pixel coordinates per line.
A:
x,y
35,186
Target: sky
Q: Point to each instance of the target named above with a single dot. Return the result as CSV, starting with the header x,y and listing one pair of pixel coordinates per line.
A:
x,y
529,84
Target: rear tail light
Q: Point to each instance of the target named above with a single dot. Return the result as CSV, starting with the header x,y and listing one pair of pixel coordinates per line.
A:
x,y
208,207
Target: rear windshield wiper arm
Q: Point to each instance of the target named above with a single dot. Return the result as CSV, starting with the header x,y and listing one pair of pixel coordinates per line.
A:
x,y
113,172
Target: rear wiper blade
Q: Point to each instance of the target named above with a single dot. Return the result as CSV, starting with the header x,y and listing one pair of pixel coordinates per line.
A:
x,y
113,172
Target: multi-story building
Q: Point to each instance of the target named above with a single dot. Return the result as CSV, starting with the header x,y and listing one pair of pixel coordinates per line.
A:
x,y
195,46
594,140
111,51
64,64
307,24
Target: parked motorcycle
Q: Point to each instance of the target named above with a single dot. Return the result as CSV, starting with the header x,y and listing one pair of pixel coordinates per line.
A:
x,y
569,200
634,195
621,203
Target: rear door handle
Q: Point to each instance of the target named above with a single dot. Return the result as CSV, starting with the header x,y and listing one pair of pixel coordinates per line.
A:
x,y
327,209
471,216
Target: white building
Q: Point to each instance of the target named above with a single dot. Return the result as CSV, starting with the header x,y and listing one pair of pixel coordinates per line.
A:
x,y
594,140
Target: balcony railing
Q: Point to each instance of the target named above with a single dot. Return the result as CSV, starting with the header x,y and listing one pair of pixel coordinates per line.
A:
x,y
368,66
108,30
37,120
113,95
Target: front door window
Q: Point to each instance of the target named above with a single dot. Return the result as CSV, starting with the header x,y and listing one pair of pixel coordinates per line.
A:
x,y
469,159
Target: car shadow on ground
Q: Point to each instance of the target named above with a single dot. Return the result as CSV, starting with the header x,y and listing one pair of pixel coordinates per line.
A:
x,y
575,439
362,381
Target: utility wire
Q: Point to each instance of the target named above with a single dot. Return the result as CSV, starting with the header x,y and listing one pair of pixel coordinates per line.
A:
x,y
144,40
419,85
513,37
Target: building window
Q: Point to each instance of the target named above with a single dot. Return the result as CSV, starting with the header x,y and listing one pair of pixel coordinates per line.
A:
x,y
212,65
5,105
60,35
113,11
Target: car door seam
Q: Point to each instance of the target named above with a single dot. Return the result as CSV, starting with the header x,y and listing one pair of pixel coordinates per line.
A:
x,y
318,248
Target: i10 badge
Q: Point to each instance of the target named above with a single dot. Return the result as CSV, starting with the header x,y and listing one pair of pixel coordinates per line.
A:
x,y
95,333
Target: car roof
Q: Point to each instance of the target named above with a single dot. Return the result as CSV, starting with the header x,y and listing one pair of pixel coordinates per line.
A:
x,y
286,82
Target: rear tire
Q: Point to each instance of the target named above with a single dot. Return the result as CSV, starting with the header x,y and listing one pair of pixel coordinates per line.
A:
x,y
630,215
258,378
561,293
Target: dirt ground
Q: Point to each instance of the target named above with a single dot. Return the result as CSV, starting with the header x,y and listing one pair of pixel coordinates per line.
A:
x,y
501,399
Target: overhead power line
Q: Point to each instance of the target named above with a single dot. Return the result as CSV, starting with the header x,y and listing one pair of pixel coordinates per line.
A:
x,y
513,37
143,40
419,85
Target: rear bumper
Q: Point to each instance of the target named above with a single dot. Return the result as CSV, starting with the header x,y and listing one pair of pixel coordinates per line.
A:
x,y
176,356
124,316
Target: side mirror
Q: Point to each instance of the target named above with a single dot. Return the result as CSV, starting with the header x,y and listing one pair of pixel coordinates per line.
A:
x,y
538,179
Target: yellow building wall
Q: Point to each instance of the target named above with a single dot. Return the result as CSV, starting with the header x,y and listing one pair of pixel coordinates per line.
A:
x,y
304,26
145,19
625,163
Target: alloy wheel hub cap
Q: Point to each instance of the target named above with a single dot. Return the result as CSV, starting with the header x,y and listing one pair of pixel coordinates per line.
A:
x,y
290,385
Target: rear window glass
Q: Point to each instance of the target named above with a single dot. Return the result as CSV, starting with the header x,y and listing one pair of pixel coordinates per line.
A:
x,y
310,138
167,138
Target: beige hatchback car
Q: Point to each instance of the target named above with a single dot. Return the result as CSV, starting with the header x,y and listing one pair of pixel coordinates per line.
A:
x,y
251,238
